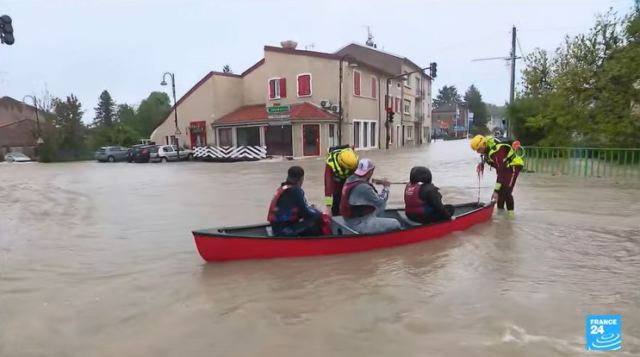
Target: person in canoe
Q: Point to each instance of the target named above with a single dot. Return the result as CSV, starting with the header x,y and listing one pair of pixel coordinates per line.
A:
x,y
362,206
341,162
423,202
289,212
505,159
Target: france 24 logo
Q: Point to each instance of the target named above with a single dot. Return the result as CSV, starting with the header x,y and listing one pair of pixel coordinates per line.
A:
x,y
604,332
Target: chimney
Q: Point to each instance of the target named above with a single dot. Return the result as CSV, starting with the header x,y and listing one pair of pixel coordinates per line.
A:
x,y
290,45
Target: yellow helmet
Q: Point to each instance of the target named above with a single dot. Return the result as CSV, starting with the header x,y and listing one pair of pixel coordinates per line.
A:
x,y
477,142
348,159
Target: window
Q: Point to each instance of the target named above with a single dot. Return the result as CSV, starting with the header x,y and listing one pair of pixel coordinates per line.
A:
x,y
374,87
409,132
373,134
407,81
173,140
248,136
356,83
225,137
304,85
397,108
365,134
388,101
277,88
333,141
407,106
418,84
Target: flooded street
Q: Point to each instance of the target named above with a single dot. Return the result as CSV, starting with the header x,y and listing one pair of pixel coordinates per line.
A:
x,y
98,260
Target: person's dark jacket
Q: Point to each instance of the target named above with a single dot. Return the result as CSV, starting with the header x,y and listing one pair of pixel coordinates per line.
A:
x,y
294,198
431,195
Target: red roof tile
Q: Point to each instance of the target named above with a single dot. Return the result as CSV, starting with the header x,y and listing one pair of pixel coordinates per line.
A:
x,y
256,114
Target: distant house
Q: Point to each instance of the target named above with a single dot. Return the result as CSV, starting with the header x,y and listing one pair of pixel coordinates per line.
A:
x,y
450,120
18,127
289,103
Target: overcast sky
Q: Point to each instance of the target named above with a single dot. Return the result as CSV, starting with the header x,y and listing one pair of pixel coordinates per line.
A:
x,y
124,46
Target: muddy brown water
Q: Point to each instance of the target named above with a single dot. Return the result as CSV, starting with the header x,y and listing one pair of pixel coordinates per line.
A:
x,y
98,260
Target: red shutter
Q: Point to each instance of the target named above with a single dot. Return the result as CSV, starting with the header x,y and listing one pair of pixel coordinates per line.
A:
x,y
356,83
374,89
283,87
272,89
304,85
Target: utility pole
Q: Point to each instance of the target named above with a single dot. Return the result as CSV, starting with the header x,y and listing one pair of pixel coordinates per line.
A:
x,y
512,58
513,66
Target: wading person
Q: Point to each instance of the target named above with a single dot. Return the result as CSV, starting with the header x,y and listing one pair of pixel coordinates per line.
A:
x,y
362,206
289,212
504,158
422,199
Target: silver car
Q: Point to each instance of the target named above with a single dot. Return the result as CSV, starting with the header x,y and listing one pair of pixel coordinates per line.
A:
x,y
169,153
16,157
111,153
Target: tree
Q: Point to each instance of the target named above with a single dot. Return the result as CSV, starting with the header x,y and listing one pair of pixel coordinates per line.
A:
x,y
227,69
473,98
125,114
71,130
151,112
447,95
586,92
104,110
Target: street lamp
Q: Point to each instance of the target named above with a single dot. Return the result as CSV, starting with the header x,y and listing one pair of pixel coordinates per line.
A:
x,y
35,105
340,116
175,105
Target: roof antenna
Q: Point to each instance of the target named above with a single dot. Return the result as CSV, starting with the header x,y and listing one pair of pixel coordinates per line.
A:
x,y
370,42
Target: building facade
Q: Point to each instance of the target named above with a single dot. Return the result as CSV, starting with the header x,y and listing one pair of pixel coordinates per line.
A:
x,y
289,101
19,128
450,121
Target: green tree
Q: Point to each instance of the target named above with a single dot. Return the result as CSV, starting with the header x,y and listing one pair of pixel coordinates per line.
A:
x,y
447,95
473,98
105,111
125,114
151,112
71,131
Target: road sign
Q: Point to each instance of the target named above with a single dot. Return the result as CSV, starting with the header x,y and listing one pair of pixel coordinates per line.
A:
x,y
278,109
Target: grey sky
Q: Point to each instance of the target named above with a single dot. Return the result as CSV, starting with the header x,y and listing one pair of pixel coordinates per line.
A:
x,y
83,47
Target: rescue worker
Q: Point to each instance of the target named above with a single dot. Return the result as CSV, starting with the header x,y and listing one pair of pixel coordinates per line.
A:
x,y
289,212
423,202
505,159
362,206
341,162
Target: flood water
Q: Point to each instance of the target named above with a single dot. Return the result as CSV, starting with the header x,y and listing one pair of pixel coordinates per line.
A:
x,y
98,260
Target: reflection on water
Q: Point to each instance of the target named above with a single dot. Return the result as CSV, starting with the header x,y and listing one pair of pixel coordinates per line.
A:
x,y
98,260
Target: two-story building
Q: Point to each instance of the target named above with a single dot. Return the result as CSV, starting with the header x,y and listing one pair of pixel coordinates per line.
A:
x,y
450,120
19,127
289,101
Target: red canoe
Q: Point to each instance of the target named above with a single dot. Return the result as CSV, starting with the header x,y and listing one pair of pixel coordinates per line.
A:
x,y
256,242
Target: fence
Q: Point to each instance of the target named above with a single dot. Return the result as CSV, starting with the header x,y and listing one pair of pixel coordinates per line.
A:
x,y
586,162
230,153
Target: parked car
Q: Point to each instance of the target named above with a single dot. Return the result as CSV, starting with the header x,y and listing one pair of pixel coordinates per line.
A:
x,y
170,153
16,157
140,153
111,153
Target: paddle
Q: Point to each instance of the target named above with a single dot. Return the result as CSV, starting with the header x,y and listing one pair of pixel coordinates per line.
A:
x,y
380,181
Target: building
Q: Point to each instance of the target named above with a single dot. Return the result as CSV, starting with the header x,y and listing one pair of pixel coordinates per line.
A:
x,y
450,120
289,102
18,127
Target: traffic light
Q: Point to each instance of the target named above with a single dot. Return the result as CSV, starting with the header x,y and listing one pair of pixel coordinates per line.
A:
x,y
390,115
433,68
6,30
